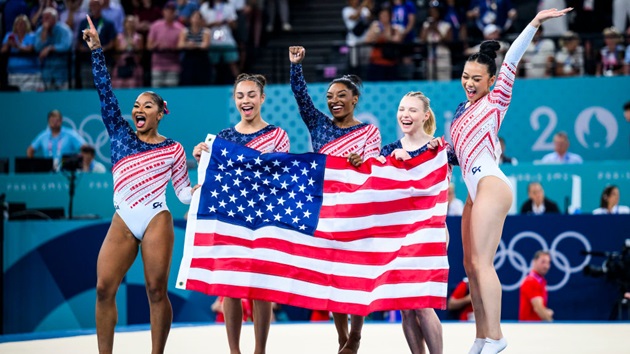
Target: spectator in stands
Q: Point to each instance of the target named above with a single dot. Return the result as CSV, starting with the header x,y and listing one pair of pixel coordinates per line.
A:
x,y
37,11
88,163
626,111
384,55
23,66
72,16
609,202
220,17
538,59
147,12
561,25
570,57
460,302
437,34
56,140
537,203
107,33
10,11
185,9
281,6
611,56
504,159
533,291
404,19
626,60
492,32
194,42
129,46
217,308
500,13
455,15
357,16
114,13
561,154
162,41
53,41
455,206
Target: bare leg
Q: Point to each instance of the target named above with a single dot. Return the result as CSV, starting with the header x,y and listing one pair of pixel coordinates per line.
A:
x,y
341,324
491,206
431,329
262,322
233,314
476,300
354,339
116,256
157,252
412,331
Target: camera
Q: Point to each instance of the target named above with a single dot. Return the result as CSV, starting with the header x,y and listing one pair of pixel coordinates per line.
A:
x,y
616,266
71,162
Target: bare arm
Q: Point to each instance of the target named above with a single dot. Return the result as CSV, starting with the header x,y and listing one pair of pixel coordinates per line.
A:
x,y
30,152
546,314
458,304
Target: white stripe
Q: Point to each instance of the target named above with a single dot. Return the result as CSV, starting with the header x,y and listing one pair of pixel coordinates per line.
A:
x,y
429,235
288,285
389,172
374,195
338,268
365,222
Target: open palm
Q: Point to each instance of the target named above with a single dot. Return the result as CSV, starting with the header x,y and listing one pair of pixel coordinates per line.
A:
x,y
90,35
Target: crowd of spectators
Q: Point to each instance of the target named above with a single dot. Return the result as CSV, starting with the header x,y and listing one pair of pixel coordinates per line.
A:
x,y
436,37
146,42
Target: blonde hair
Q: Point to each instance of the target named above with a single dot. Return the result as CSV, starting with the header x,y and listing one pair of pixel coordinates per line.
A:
x,y
26,21
429,125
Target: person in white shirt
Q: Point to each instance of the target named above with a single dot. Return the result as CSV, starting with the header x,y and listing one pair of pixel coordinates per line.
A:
x,y
455,206
609,202
561,154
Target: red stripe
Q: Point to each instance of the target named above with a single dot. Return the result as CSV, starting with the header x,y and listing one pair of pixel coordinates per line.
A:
x,y
256,267
341,163
372,258
383,231
384,184
315,303
139,155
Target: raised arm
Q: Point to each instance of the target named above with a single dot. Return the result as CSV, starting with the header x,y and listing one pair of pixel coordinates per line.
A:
x,y
310,115
110,109
180,178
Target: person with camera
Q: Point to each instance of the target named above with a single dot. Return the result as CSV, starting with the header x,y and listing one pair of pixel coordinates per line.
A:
x,y
533,291
357,16
129,46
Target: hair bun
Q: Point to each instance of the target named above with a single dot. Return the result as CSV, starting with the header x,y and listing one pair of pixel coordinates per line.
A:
x,y
166,111
490,48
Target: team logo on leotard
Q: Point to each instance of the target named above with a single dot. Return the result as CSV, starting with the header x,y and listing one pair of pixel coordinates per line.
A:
x,y
476,169
157,205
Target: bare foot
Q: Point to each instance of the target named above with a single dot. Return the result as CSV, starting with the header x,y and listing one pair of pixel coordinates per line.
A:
x,y
352,345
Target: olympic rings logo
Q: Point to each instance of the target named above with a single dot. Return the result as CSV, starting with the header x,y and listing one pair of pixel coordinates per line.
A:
x,y
94,134
558,259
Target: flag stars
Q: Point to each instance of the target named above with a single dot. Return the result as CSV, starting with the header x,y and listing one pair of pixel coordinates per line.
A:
x,y
238,171
257,174
302,188
248,166
302,227
311,181
244,192
267,169
214,194
284,185
231,213
286,169
218,177
251,203
240,158
270,207
291,195
265,182
295,163
294,178
224,152
277,217
275,163
221,167
230,163
307,214
262,197
255,186
299,205
225,187
240,209
304,172
222,204
249,219
259,213
313,165
288,211
296,220
237,182
281,201
257,160
276,176
232,199
212,209
273,190
309,198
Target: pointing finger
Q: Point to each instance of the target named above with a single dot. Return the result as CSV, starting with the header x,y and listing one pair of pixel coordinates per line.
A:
x,y
90,22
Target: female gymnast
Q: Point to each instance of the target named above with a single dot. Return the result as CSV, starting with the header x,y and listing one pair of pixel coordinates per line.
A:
x,y
143,163
343,136
474,134
252,131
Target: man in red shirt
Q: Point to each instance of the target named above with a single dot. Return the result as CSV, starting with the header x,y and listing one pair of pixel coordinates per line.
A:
x,y
461,303
533,302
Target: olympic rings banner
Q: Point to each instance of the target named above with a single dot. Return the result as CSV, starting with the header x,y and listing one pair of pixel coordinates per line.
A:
x,y
572,295
58,258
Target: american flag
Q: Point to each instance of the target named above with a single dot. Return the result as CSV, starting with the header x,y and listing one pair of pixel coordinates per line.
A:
x,y
312,231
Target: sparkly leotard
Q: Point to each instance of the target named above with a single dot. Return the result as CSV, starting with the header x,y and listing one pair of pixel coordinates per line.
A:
x,y
141,170
362,139
475,128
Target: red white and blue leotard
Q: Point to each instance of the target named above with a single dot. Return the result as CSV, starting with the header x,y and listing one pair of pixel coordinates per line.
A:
x,y
141,170
475,128
268,139
362,139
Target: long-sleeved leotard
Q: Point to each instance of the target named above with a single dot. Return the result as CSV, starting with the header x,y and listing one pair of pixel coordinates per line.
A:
x,y
141,170
268,139
362,139
475,128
